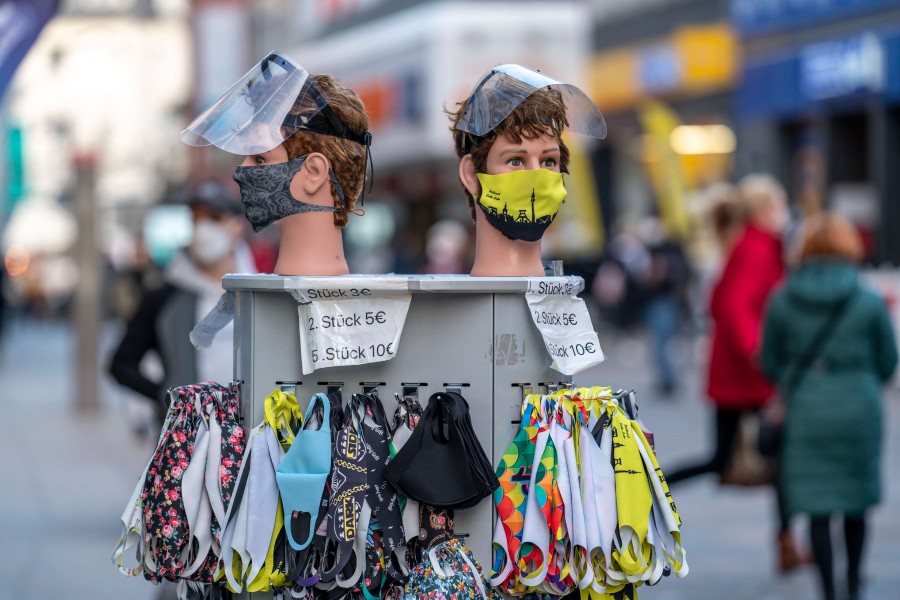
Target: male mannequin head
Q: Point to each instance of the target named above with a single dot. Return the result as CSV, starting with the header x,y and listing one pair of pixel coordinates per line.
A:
x,y
508,137
305,147
535,127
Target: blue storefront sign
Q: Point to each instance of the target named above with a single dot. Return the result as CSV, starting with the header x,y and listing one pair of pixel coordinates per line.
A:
x,y
843,71
762,16
659,69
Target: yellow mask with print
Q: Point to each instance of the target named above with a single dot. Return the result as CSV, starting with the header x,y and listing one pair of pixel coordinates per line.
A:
x,y
521,204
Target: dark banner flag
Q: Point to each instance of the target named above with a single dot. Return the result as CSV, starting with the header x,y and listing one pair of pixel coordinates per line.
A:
x,y
21,22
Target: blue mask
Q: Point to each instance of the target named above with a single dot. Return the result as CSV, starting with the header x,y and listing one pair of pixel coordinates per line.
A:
x,y
302,474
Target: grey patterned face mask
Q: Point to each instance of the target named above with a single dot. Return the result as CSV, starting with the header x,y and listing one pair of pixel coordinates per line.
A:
x,y
266,192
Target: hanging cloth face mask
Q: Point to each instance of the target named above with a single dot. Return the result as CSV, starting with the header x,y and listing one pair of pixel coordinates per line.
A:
x,y
521,204
344,519
443,464
266,192
302,473
379,495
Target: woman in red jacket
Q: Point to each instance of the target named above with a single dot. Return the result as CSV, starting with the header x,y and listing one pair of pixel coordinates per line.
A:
x,y
735,384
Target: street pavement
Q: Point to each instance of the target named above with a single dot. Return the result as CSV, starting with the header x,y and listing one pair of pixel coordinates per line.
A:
x,y
65,479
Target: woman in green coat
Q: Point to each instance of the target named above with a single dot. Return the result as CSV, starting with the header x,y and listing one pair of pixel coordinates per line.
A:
x,y
829,345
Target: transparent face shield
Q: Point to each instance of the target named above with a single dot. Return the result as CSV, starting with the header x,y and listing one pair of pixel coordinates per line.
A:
x,y
503,88
263,109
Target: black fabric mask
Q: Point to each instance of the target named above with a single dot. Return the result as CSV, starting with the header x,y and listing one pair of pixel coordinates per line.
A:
x,y
266,192
443,464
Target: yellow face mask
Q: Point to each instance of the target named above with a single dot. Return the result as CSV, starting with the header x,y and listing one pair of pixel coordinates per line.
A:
x,y
521,204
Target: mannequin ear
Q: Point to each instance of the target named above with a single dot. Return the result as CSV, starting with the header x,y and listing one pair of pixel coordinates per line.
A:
x,y
468,177
310,178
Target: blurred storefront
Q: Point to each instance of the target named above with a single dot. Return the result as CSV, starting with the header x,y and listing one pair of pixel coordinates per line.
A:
x,y
819,105
663,73
105,85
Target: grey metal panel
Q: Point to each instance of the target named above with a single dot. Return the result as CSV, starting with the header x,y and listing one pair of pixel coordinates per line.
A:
x,y
455,333
519,357
450,284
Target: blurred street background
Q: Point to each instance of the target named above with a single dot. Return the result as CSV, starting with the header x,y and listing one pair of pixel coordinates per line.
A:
x,y
697,93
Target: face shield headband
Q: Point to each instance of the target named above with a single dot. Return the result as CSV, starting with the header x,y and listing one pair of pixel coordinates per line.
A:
x,y
328,123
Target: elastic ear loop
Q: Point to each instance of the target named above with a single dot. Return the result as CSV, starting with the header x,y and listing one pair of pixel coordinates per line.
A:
x,y
370,167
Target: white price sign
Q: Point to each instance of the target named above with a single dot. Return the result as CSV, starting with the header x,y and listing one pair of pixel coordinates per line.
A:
x,y
343,323
564,323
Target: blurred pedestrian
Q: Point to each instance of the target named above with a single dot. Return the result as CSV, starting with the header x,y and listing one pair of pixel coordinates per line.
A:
x,y
829,345
191,288
735,383
2,298
727,215
616,283
448,247
663,296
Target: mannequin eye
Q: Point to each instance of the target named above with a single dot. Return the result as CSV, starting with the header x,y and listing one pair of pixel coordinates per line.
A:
x,y
515,162
548,163
259,160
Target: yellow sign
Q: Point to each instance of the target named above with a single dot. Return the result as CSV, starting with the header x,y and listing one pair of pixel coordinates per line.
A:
x,y
614,81
665,169
708,56
705,60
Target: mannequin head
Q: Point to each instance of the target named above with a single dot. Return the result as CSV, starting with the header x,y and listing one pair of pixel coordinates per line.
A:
x,y
512,173
529,138
304,143
346,159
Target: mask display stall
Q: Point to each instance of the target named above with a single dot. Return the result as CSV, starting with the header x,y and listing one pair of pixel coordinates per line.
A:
x,y
301,503
316,504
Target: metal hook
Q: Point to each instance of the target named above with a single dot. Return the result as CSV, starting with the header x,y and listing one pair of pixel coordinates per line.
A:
x,y
455,388
411,389
371,387
332,387
548,386
240,390
288,387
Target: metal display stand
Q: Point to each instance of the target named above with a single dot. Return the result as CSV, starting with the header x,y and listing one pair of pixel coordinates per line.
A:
x,y
475,333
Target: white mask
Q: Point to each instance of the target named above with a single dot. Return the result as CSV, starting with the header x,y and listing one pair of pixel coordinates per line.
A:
x,y
211,242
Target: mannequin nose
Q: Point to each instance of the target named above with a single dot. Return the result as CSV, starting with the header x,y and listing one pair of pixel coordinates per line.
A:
x,y
248,161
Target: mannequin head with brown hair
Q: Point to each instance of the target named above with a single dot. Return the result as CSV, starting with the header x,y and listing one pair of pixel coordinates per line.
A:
x,y
305,144
508,137
332,176
539,118
347,158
